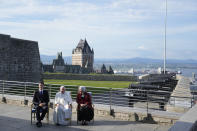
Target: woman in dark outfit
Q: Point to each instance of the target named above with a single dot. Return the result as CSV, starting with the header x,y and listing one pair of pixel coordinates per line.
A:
x,y
84,109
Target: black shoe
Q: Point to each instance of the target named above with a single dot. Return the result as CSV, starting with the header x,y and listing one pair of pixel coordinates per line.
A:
x,y
82,123
39,124
85,123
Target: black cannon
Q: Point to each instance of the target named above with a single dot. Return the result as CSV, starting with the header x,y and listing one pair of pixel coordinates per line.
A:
x,y
157,88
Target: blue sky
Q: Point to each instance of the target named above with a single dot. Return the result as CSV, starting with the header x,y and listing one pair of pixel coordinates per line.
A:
x,y
114,28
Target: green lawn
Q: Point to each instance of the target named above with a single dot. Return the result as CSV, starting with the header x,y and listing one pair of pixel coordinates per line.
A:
x,y
110,84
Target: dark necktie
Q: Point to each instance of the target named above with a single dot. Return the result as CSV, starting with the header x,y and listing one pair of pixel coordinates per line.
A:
x,y
41,92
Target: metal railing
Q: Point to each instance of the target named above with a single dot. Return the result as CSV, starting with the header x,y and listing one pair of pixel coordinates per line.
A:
x,y
113,97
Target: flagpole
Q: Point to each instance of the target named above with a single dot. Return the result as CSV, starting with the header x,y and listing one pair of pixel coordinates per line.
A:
x,y
165,41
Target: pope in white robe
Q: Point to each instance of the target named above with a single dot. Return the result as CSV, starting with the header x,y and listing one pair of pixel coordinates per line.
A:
x,y
63,111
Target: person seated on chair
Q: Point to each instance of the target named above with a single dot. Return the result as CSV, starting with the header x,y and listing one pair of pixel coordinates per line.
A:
x,y
63,107
84,109
40,101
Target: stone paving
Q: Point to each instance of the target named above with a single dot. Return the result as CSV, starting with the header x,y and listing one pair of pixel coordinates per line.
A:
x,y
182,101
171,116
187,122
17,118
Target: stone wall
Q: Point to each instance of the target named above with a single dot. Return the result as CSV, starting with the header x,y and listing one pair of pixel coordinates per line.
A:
x,y
89,77
19,59
187,122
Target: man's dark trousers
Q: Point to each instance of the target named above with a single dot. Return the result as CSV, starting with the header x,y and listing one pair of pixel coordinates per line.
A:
x,y
43,112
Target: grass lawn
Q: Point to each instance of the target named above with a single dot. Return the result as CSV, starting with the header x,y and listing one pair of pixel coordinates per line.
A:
x,y
110,84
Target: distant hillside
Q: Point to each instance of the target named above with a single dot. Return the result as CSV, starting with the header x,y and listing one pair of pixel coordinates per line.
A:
x,y
144,60
68,59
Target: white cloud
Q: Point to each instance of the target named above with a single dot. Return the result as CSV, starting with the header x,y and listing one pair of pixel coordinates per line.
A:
x,y
182,7
64,22
142,47
76,11
119,10
182,29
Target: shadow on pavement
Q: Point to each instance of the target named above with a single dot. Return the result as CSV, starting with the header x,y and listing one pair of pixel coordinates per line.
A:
x,y
14,124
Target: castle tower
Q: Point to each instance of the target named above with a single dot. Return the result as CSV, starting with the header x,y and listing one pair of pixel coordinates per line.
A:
x,y
104,70
83,55
58,64
111,71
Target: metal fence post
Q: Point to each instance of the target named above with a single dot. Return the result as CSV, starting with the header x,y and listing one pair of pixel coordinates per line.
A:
x,y
25,93
147,102
111,110
3,89
3,97
192,101
110,99
50,91
50,103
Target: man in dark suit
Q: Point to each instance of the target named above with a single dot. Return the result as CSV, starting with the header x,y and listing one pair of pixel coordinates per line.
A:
x,y
40,101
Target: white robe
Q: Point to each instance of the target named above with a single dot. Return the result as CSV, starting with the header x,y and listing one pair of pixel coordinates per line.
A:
x,y
62,114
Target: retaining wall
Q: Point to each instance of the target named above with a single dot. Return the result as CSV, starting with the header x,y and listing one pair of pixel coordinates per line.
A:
x,y
89,77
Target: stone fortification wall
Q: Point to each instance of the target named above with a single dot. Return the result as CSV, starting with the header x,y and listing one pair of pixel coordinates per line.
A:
x,y
19,59
90,77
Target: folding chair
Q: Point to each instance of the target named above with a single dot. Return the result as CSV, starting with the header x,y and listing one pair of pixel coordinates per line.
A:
x,y
90,93
33,113
69,92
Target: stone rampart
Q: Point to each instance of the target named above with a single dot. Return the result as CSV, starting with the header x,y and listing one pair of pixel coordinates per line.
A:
x,y
20,59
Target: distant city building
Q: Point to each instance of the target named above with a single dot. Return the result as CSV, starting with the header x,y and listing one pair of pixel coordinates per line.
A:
x,y
111,71
159,70
131,71
83,55
105,71
47,68
82,61
58,64
19,59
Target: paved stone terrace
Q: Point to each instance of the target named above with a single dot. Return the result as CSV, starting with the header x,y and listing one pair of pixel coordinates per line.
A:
x,y
120,113
187,122
182,101
13,118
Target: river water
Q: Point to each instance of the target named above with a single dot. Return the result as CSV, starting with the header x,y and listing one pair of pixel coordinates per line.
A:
x,y
188,72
